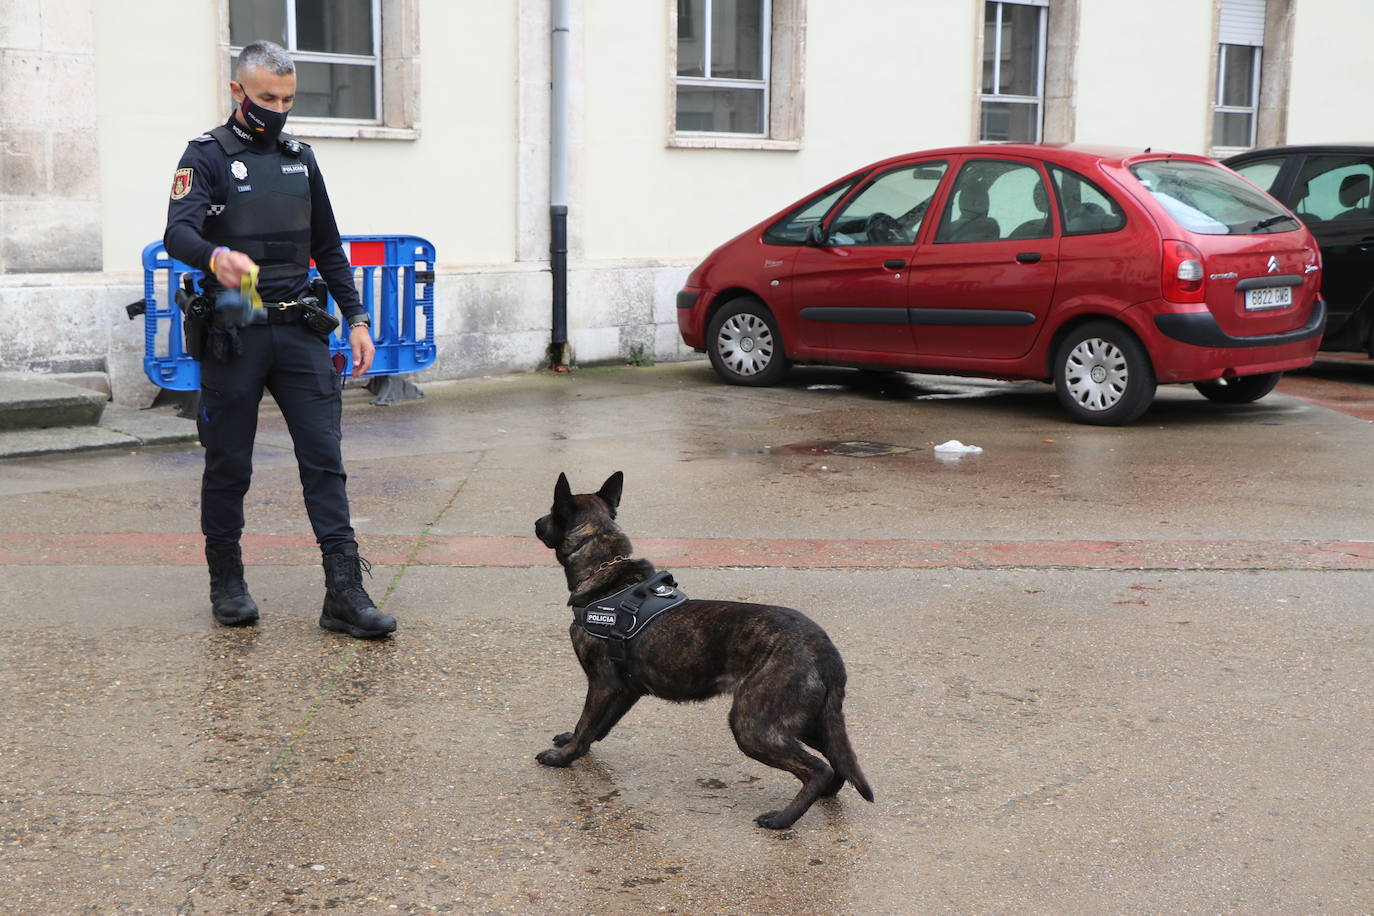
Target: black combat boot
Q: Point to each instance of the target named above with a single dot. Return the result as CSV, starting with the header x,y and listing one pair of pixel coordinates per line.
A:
x,y
347,607
229,597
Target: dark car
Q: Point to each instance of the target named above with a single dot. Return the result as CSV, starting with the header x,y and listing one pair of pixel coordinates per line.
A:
x,y
1105,271
1329,187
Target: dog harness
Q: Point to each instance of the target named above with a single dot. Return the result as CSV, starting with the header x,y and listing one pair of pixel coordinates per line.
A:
x,y
621,617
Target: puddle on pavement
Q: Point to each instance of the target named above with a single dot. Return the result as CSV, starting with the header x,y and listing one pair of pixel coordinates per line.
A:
x,y
846,448
700,454
898,386
853,449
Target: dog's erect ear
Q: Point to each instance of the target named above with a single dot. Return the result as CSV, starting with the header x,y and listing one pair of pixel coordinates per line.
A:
x,y
610,490
562,492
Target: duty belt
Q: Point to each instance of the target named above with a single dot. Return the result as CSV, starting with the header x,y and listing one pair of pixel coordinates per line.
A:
x,y
278,313
621,617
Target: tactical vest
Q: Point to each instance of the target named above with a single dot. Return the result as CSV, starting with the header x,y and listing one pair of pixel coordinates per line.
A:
x,y
266,212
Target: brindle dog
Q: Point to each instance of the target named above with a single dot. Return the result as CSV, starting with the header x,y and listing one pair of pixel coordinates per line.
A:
x,y
786,675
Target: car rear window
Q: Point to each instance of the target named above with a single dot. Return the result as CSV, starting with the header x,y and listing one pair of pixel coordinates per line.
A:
x,y
1206,200
1085,209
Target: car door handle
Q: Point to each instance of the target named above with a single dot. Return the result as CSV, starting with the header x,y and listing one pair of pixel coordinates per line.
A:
x,y
894,264
1028,257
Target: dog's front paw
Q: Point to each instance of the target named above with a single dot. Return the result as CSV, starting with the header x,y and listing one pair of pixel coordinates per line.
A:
x,y
552,758
773,820
564,739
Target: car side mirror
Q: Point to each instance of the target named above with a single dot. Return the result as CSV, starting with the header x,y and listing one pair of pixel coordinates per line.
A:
x,y
816,236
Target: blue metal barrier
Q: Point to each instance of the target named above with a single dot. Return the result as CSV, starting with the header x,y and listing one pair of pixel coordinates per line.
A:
x,y
396,290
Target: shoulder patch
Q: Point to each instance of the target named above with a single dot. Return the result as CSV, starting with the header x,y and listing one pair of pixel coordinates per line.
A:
x,y
181,183
203,138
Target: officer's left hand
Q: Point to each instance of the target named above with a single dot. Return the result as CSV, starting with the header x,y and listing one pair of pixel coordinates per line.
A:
x,y
360,340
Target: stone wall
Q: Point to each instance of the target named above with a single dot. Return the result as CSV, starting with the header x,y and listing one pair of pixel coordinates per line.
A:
x,y
74,323
486,322
49,164
498,321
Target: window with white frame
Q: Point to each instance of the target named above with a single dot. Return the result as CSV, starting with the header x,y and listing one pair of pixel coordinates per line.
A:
x,y
1013,84
336,45
1235,111
723,62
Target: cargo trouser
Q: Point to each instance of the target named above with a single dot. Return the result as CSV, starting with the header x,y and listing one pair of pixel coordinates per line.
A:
x,y
293,363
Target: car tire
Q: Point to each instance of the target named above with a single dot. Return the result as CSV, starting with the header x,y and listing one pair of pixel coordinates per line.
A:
x,y
1103,375
1240,390
745,347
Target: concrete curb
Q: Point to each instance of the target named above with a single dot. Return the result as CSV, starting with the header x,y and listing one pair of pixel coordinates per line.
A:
x,y
119,427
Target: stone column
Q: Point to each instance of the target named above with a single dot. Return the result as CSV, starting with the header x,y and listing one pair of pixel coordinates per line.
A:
x,y
49,159
1061,52
532,127
1276,70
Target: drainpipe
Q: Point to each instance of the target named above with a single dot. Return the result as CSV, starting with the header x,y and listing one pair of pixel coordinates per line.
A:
x,y
558,184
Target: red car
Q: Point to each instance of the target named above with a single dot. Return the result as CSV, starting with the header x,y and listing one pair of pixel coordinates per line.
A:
x,y
1105,271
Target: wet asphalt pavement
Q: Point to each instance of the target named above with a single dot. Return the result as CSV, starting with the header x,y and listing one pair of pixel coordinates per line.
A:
x,y
1090,670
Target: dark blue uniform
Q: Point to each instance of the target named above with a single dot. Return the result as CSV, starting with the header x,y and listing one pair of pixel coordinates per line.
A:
x,y
269,201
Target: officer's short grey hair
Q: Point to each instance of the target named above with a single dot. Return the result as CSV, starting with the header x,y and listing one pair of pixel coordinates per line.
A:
x,y
265,56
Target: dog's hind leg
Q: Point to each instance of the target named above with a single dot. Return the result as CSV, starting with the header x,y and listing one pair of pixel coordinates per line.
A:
x,y
837,748
828,735
816,776
813,740
773,736
816,742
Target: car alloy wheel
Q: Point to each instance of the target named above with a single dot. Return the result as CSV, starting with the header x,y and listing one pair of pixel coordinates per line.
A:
x,y
745,347
1103,375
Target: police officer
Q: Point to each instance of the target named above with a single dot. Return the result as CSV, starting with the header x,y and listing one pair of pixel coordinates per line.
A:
x,y
247,196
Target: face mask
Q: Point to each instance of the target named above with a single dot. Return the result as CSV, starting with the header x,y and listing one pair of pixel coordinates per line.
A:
x,y
263,123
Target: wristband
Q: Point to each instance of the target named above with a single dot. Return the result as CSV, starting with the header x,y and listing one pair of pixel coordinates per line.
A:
x,y
360,321
214,254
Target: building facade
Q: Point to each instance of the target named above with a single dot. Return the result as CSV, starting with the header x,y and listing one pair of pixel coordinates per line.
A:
x,y
688,120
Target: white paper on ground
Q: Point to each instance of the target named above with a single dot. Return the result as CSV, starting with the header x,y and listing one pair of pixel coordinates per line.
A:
x,y
955,447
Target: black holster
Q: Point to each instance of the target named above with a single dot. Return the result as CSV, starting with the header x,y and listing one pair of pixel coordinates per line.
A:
x,y
315,317
195,317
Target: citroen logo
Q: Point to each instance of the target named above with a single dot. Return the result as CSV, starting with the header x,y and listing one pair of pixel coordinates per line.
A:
x,y
1273,264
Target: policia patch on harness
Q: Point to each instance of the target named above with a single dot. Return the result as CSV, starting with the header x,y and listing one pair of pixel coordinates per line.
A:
x,y
621,617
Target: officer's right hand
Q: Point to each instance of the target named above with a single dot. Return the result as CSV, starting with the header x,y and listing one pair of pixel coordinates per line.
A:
x,y
230,266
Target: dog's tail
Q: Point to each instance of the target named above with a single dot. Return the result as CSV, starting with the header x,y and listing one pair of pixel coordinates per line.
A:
x,y
837,749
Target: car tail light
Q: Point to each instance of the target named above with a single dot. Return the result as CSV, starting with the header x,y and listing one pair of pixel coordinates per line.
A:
x,y
1183,272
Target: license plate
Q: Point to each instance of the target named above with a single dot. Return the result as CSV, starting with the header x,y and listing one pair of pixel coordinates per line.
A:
x,y
1270,297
